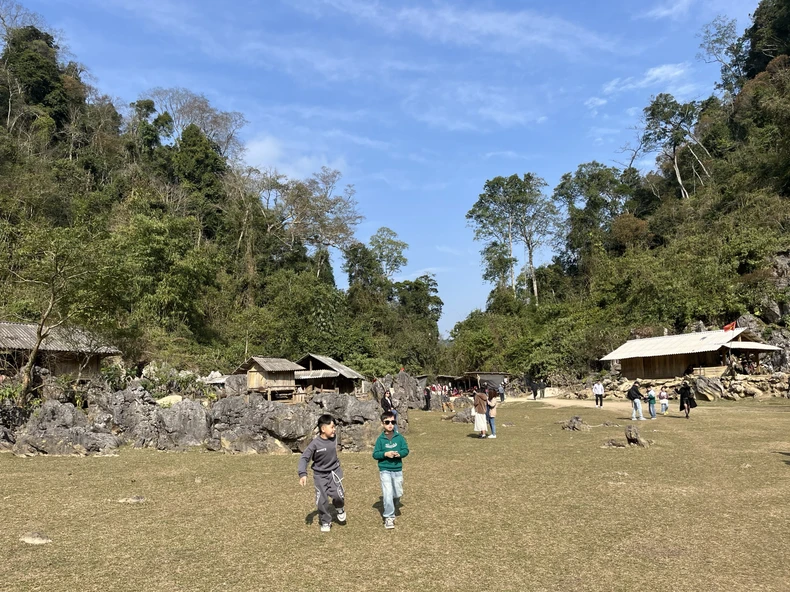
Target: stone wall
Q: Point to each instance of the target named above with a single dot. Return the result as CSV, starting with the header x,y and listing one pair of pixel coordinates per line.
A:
x,y
705,389
234,424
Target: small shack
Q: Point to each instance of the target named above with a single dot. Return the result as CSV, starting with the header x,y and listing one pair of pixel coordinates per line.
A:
x,y
324,373
704,352
269,375
64,351
482,380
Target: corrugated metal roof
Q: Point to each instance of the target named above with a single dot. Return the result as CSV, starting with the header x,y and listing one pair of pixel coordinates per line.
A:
x,y
670,345
341,369
268,364
752,346
313,374
60,339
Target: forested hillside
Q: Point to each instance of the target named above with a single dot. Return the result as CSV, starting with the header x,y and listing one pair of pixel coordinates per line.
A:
x,y
141,221
695,240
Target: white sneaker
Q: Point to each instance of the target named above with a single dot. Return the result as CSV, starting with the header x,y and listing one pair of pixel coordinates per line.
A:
x,y
326,527
490,437
341,516
642,419
389,523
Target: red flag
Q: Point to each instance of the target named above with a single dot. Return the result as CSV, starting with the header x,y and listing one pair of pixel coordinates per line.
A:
x,y
730,326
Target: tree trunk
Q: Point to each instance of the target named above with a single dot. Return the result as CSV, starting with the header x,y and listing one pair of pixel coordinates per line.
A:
x,y
683,190
532,273
512,266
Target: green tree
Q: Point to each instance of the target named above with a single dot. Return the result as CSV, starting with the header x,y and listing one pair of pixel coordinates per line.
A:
x,y
388,250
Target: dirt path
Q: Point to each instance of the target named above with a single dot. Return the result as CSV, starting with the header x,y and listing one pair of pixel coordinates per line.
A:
x,y
614,404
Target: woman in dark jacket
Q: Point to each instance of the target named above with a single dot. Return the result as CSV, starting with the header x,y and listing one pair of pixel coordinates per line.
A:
x,y
687,401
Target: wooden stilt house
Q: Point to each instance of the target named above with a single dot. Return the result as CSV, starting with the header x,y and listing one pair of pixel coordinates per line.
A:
x,y
324,373
269,375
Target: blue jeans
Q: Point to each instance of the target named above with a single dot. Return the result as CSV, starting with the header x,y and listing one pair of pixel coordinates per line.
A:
x,y
652,408
492,423
391,487
664,406
637,409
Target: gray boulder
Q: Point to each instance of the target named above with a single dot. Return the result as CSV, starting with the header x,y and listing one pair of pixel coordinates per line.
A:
x,y
634,438
462,402
235,385
464,416
62,429
346,409
183,425
708,389
576,424
253,424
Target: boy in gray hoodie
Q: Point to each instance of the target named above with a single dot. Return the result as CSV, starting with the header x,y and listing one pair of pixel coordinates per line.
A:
x,y
390,450
327,474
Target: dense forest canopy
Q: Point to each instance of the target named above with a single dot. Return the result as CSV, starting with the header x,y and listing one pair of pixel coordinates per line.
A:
x,y
141,221
693,240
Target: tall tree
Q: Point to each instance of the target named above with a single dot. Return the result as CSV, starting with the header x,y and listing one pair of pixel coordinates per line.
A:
x,y
514,210
386,247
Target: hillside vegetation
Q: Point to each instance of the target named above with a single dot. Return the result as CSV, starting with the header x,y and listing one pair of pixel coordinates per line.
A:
x,y
142,222
694,240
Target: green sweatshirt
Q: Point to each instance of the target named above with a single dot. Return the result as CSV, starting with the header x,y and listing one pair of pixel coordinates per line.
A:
x,y
383,444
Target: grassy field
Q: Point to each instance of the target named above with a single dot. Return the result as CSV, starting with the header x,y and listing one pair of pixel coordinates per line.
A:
x,y
705,508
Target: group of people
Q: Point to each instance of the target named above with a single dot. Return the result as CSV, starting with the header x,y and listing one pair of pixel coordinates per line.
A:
x,y
443,392
484,411
389,451
687,399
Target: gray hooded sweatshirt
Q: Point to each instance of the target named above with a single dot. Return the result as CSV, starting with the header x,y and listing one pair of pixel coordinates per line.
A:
x,y
323,453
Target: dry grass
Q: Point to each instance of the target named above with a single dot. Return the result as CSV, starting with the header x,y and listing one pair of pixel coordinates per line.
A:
x,y
705,508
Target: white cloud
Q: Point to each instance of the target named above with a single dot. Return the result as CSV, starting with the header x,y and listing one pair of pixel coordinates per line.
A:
x,y
666,74
674,9
508,154
293,160
468,106
448,250
594,103
358,140
494,30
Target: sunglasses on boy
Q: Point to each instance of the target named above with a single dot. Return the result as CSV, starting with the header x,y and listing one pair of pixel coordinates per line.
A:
x,y
388,422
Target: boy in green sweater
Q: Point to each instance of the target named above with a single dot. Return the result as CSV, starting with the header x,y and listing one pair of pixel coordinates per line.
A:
x,y
390,450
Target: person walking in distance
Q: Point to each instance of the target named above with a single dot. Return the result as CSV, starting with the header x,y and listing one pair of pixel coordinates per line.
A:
x,y
327,474
663,398
502,390
480,408
598,392
492,404
635,396
651,402
687,400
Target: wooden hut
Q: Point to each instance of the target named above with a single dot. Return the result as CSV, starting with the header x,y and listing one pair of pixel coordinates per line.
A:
x,y
269,375
704,352
482,380
64,351
324,373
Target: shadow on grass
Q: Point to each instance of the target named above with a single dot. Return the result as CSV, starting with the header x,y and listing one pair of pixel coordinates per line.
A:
x,y
311,517
475,435
787,462
379,507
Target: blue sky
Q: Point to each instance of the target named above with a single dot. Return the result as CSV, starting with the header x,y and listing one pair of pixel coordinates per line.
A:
x,y
416,102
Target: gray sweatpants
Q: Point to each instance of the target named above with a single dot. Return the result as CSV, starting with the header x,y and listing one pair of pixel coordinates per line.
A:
x,y
328,485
